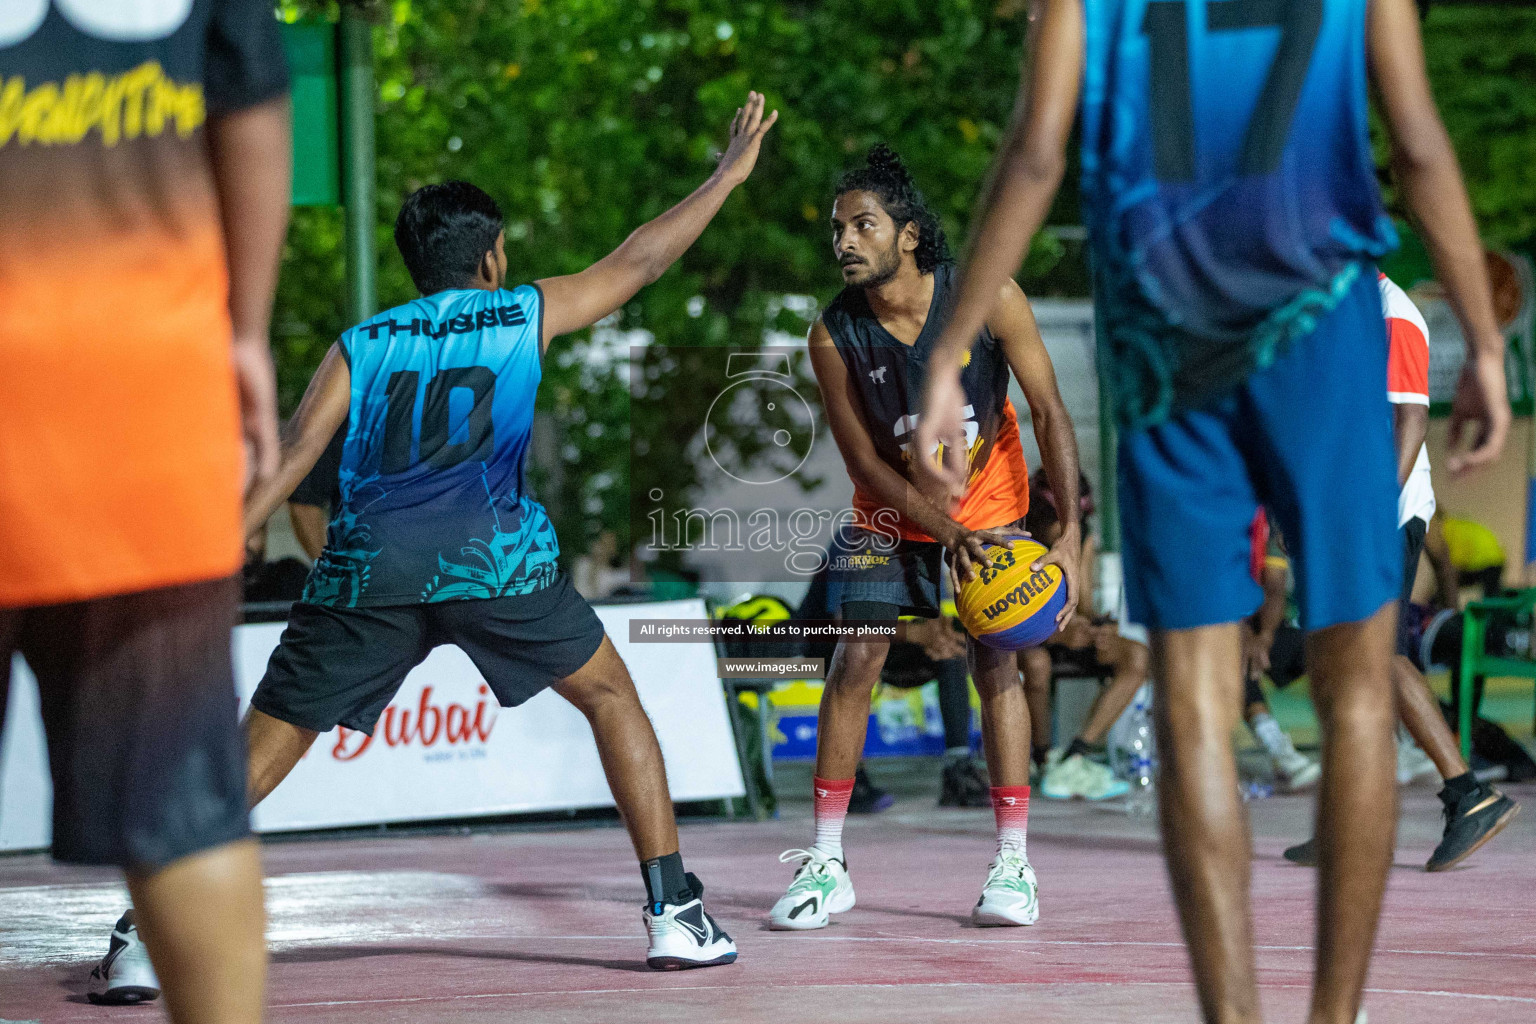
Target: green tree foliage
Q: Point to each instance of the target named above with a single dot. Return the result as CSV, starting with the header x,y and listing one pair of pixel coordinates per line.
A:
x,y
586,117
1482,63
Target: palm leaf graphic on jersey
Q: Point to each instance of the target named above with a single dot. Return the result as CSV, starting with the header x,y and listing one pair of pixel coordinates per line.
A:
x,y
508,563
342,571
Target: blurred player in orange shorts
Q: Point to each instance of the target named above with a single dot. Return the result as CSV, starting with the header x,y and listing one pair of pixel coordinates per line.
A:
x,y
143,210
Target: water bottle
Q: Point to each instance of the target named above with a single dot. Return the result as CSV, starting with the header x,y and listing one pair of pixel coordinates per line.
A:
x,y
1256,790
1140,752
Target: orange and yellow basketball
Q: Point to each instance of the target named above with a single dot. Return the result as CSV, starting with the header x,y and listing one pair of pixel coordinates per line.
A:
x,y
1011,606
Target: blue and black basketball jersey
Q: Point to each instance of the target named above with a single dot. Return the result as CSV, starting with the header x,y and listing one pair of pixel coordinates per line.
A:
x,y
434,504
1228,184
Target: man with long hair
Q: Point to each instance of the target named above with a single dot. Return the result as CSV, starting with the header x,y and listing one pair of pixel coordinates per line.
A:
x,y
870,349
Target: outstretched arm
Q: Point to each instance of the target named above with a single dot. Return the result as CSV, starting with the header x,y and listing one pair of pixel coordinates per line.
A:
x,y
580,300
322,410
1426,168
1012,323
1023,182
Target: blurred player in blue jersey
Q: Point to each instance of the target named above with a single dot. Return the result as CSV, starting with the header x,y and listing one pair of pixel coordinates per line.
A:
x,y
435,538
1233,209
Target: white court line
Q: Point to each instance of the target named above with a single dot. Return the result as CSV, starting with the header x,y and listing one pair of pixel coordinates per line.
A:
x,y
758,987
1022,943
1026,943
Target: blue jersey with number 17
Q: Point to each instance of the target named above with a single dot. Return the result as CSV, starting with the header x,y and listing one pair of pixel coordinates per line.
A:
x,y
434,502
1228,185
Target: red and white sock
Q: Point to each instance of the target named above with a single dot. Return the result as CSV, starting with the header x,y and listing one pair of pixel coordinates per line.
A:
x,y
831,812
1010,806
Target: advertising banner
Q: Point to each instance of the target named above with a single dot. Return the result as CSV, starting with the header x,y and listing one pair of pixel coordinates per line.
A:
x,y
443,749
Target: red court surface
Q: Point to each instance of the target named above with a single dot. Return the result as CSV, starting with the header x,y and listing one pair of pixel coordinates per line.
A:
x,y
544,925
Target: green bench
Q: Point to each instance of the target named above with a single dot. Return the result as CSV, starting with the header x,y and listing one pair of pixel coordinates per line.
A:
x,y
1476,662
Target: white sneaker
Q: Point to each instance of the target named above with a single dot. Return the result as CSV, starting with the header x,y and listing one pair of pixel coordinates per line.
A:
x,y
1011,896
683,935
821,888
1412,763
125,976
1077,776
1296,770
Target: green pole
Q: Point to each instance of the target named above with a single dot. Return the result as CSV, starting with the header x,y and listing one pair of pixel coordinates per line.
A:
x,y
357,161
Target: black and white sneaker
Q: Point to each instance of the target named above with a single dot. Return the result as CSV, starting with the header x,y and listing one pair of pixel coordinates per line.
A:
x,y
125,976
683,935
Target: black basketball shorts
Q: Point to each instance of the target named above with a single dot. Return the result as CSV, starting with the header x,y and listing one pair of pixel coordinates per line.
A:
x,y
139,708
342,666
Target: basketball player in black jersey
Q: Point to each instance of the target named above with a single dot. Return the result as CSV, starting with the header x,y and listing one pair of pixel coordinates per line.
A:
x,y
869,350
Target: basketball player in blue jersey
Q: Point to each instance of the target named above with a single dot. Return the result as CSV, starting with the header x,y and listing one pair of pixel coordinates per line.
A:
x,y
1234,216
436,540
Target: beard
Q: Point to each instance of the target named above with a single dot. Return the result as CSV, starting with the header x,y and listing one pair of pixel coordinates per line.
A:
x,y
877,272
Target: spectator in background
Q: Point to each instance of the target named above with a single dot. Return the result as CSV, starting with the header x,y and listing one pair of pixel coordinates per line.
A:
x,y
139,247
1273,643
1438,552
934,651
1475,553
1474,812
1090,646
1435,640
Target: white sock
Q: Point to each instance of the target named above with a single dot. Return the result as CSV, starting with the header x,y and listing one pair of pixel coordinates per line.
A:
x,y
829,837
831,811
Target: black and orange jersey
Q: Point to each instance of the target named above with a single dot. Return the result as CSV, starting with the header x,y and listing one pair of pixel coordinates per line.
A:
x,y
120,450
889,378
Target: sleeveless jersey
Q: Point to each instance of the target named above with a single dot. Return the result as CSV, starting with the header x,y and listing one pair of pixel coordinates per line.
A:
x,y
433,504
120,449
1229,188
889,377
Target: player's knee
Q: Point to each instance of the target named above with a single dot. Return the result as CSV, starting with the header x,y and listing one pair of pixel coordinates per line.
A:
x,y
1188,720
999,680
856,667
1035,663
594,695
1357,709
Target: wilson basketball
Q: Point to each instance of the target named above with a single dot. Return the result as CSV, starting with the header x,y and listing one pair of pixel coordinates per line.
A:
x,y
1011,606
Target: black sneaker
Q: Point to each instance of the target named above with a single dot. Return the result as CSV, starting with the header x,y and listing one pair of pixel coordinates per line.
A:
x,y
1470,821
1304,854
963,784
866,798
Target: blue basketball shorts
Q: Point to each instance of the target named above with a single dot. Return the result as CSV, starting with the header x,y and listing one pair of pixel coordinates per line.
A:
x,y
1310,438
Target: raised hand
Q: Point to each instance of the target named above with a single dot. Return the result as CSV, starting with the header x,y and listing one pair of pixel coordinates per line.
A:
x,y
747,130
